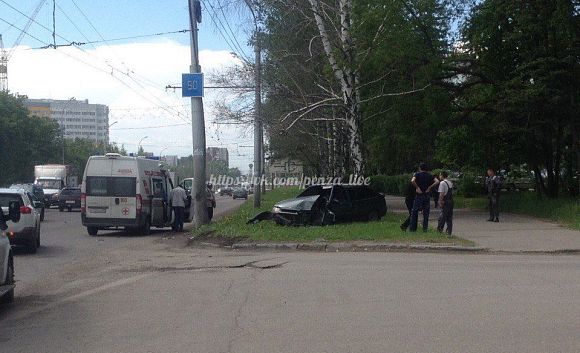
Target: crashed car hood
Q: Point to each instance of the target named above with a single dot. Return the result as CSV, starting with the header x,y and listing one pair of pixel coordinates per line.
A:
x,y
298,204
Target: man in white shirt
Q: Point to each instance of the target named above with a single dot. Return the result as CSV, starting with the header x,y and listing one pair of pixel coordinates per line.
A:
x,y
177,199
445,203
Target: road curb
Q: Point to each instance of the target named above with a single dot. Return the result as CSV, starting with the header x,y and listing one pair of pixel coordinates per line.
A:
x,y
350,247
376,247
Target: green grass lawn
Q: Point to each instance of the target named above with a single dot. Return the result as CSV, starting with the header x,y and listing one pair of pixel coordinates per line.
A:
x,y
564,210
385,230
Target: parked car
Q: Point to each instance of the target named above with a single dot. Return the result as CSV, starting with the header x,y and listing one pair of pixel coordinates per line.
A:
x,y
240,193
225,191
6,257
328,204
69,198
25,231
36,193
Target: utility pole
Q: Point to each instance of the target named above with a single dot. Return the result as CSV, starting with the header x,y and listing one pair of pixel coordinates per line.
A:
x,y
258,156
198,190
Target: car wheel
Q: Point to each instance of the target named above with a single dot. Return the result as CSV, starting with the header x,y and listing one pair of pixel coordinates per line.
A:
x,y
38,237
60,209
42,215
9,297
146,228
92,231
70,209
373,216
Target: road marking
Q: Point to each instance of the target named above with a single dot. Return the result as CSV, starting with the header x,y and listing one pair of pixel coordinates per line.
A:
x,y
81,295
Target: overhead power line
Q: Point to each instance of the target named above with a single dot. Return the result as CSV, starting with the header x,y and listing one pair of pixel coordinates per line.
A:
x,y
177,113
122,72
148,127
74,43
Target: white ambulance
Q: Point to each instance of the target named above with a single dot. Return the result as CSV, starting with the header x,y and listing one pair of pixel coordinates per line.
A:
x,y
125,192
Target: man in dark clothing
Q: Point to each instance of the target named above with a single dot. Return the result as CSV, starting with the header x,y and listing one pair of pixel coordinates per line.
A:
x,y
493,187
435,196
445,203
409,200
423,182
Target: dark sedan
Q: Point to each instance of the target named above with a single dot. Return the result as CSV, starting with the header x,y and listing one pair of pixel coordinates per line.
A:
x,y
69,198
240,193
329,204
225,191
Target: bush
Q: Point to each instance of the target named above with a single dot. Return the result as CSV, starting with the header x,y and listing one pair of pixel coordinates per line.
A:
x,y
390,184
470,185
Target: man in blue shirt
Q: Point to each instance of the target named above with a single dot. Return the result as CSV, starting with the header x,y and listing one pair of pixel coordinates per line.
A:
x,y
423,182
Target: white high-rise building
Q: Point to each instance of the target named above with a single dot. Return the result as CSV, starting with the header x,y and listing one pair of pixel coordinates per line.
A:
x,y
78,118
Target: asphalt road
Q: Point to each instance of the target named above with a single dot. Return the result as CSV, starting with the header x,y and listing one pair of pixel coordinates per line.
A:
x,y
117,293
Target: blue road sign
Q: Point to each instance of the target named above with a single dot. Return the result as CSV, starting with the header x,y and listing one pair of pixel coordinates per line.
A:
x,y
192,85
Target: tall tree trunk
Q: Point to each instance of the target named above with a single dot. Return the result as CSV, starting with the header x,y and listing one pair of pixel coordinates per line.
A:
x,y
345,74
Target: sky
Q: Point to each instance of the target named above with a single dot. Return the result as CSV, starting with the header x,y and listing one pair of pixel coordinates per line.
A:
x,y
129,75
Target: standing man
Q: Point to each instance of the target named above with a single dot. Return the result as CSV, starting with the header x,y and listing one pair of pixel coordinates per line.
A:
x,y
409,201
493,187
177,199
210,201
423,182
445,203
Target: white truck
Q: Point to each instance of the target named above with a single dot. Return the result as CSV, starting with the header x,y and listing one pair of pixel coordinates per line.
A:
x,y
125,192
53,178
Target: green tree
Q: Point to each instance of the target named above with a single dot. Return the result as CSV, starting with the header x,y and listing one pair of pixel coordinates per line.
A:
x,y
519,83
25,141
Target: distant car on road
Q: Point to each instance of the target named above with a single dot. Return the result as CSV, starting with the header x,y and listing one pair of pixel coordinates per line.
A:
x,y
6,256
26,231
225,191
329,204
240,193
36,193
69,198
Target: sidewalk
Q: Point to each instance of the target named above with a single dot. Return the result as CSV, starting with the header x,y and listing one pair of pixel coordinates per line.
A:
x,y
512,233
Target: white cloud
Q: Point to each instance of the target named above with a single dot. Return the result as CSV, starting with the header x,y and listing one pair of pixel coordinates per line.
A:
x,y
131,80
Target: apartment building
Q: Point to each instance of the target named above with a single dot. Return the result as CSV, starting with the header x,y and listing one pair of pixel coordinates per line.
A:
x,y
78,118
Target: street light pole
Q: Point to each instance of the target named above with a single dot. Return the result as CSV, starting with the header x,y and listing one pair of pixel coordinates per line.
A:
x,y
198,191
161,153
106,143
139,145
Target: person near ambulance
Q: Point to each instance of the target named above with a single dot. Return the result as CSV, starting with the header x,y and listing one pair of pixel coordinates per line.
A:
x,y
177,200
210,201
445,203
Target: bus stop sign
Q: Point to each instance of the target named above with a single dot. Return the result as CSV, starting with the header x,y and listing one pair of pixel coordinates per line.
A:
x,y
192,85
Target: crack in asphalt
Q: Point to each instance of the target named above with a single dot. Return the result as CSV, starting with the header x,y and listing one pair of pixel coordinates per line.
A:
x,y
250,265
237,326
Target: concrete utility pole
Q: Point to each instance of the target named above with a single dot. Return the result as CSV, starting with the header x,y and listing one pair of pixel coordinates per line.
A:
x,y
198,189
258,156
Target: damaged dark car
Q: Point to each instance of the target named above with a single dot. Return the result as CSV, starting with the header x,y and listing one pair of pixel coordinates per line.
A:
x,y
328,204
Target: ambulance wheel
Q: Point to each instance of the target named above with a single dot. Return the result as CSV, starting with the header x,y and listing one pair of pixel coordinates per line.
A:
x,y
92,231
146,228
